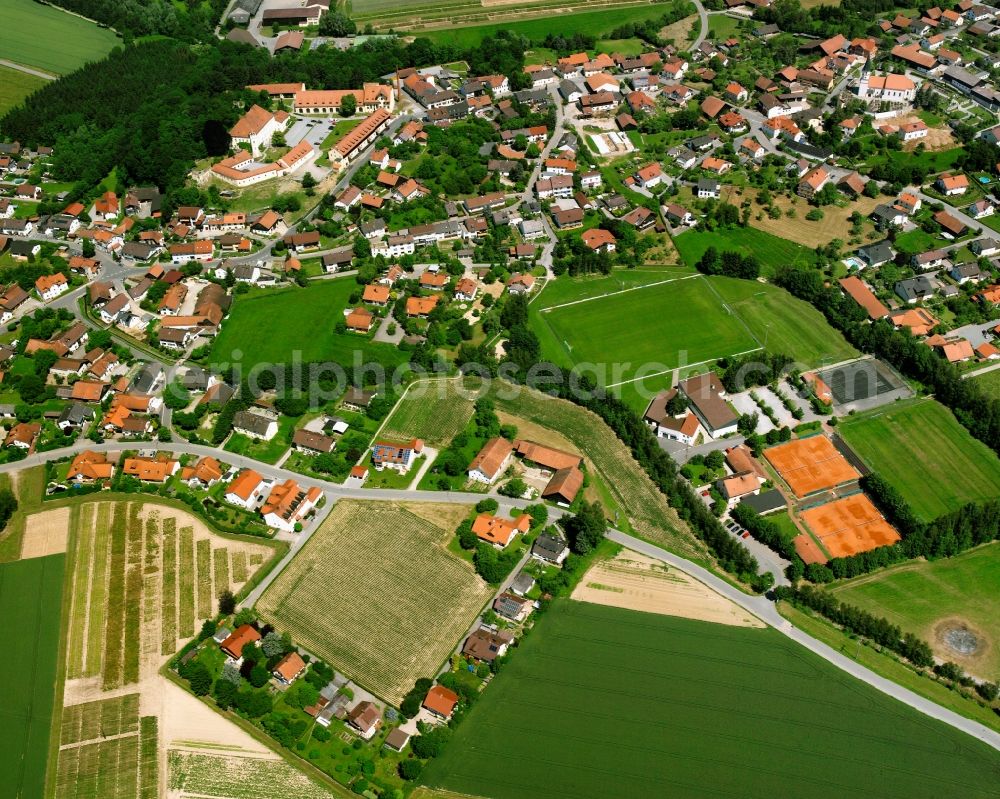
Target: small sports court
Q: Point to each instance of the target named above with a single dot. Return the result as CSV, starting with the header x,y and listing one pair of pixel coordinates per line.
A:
x,y
811,464
863,384
849,525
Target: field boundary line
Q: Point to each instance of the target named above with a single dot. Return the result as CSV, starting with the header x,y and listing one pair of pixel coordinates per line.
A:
x,y
677,368
730,308
625,291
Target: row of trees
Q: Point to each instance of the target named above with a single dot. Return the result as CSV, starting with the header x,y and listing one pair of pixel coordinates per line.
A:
x,y
636,435
976,410
860,622
948,535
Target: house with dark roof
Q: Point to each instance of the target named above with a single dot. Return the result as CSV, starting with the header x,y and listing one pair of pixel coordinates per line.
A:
x,y
707,399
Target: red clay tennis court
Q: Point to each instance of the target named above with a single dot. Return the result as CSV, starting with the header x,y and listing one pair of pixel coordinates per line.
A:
x,y
850,525
810,464
808,549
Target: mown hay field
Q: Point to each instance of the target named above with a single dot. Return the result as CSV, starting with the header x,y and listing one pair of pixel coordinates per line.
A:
x,y
922,450
472,20
433,410
376,594
694,709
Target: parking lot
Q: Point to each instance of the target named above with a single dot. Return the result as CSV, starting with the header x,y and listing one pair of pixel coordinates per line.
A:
x,y
312,129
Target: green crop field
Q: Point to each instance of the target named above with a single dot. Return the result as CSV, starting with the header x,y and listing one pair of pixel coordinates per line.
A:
x,y
466,22
51,40
771,251
927,599
15,86
666,325
922,450
30,605
278,326
601,702
789,325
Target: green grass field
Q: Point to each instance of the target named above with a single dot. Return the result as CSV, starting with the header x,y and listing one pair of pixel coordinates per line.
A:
x,y
665,325
593,23
30,605
601,702
790,325
989,382
15,86
919,595
922,450
51,40
771,251
434,410
276,326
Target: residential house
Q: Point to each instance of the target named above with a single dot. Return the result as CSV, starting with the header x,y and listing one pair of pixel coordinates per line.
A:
x,y
400,457
255,424
246,490
491,461
288,504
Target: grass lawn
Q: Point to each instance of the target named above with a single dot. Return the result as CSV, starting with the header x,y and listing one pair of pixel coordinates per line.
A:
x,y
922,450
278,326
266,451
771,251
916,241
918,596
654,328
790,325
51,40
689,708
989,382
15,86
629,47
30,604
722,27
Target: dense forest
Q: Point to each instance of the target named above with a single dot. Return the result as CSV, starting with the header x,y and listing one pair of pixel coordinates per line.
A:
x,y
152,109
191,20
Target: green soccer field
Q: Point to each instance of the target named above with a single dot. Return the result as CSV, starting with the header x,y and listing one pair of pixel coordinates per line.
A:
x,y
922,450
30,605
920,596
771,251
599,702
789,325
276,326
51,40
659,327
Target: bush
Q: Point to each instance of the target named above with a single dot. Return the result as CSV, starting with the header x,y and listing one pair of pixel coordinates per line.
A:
x,y
410,769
